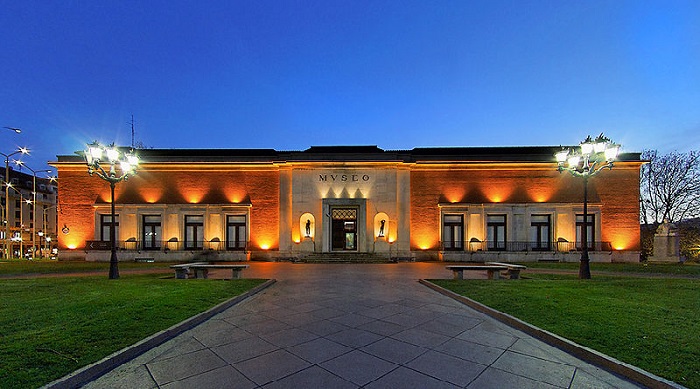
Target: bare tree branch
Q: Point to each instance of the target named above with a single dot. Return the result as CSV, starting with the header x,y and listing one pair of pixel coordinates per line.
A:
x,y
669,186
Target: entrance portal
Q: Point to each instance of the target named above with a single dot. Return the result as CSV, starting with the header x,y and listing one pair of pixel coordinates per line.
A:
x,y
344,229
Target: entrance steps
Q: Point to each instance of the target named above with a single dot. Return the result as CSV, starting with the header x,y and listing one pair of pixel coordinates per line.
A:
x,y
345,258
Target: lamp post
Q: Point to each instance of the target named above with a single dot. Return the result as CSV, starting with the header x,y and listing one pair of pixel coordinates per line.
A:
x,y
127,166
21,150
34,172
21,221
44,229
585,161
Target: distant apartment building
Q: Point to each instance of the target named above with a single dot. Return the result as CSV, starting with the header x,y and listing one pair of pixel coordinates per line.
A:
x,y
450,204
32,219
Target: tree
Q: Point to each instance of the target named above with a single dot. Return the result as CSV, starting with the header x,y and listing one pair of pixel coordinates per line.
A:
x,y
669,187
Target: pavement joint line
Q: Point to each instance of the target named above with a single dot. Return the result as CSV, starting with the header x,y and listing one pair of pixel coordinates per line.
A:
x,y
90,372
589,355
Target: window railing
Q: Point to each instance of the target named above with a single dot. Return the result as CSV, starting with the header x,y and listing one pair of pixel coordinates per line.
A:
x,y
521,246
169,245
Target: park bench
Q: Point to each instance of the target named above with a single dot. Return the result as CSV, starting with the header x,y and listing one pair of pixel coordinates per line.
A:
x,y
513,269
201,269
493,271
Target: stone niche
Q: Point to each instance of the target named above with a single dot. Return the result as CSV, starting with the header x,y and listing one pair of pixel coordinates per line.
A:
x,y
666,244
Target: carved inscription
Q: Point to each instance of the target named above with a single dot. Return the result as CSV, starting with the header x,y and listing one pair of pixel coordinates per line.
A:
x,y
343,177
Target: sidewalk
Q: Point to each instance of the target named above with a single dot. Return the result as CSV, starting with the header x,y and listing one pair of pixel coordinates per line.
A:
x,y
352,326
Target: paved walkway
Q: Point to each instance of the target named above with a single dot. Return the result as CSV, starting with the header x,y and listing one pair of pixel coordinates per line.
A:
x,y
354,326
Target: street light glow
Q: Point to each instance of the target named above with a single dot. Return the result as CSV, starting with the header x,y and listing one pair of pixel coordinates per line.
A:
x,y
127,165
593,156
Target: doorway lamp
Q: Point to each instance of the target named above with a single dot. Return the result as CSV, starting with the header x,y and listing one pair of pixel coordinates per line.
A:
x,y
121,166
585,161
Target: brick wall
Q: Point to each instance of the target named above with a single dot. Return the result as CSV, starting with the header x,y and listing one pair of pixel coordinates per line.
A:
x,y
78,193
616,190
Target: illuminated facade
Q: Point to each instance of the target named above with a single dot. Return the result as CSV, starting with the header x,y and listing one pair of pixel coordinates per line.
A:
x,y
452,204
21,218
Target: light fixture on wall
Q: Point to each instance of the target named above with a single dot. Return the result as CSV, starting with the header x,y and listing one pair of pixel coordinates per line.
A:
x,y
585,161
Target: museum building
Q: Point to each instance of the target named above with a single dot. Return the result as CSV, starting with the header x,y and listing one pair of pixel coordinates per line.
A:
x,y
352,202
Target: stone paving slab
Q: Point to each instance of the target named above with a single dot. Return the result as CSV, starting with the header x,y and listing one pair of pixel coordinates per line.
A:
x,y
352,326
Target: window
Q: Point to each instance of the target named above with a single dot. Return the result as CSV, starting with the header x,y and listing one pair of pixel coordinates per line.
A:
x,y
540,228
235,232
194,232
590,231
453,232
496,232
106,225
151,232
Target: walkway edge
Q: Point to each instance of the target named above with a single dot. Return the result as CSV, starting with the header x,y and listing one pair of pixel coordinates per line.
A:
x,y
89,373
589,355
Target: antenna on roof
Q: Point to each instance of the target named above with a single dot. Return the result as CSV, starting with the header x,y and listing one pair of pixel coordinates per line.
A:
x,y
132,131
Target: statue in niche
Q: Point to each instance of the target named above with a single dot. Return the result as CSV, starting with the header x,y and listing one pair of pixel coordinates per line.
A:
x,y
308,228
381,227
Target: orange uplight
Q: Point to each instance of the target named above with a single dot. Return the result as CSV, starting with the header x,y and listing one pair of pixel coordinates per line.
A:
x,y
454,195
152,196
624,240
71,246
498,193
235,196
265,246
194,198
540,193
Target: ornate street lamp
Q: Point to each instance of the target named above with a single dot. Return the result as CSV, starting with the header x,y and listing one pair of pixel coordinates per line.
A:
x,y
21,150
587,160
126,165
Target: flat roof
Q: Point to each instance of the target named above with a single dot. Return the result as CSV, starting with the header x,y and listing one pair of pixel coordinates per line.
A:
x,y
354,154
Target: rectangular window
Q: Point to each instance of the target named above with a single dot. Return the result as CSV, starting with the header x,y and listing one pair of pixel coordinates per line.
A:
x,y
235,232
453,232
496,232
540,236
194,232
590,231
106,225
151,232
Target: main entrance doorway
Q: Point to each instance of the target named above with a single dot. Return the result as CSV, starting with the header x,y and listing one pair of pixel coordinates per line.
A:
x,y
344,229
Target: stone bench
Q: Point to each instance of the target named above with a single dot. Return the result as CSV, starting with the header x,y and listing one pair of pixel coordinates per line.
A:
x,y
513,269
493,271
201,270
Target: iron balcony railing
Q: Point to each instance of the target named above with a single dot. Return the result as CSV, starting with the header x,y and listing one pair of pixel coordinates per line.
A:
x,y
520,246
170,245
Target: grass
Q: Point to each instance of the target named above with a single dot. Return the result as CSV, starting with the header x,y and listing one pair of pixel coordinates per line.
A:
x,y
52,326
17,267
687,268
651,323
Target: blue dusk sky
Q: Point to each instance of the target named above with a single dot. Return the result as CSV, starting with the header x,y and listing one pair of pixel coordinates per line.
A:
x,y
396,74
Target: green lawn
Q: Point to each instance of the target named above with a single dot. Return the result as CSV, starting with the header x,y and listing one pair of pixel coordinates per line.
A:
x,y
651,323
50,327
17,267
687,268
